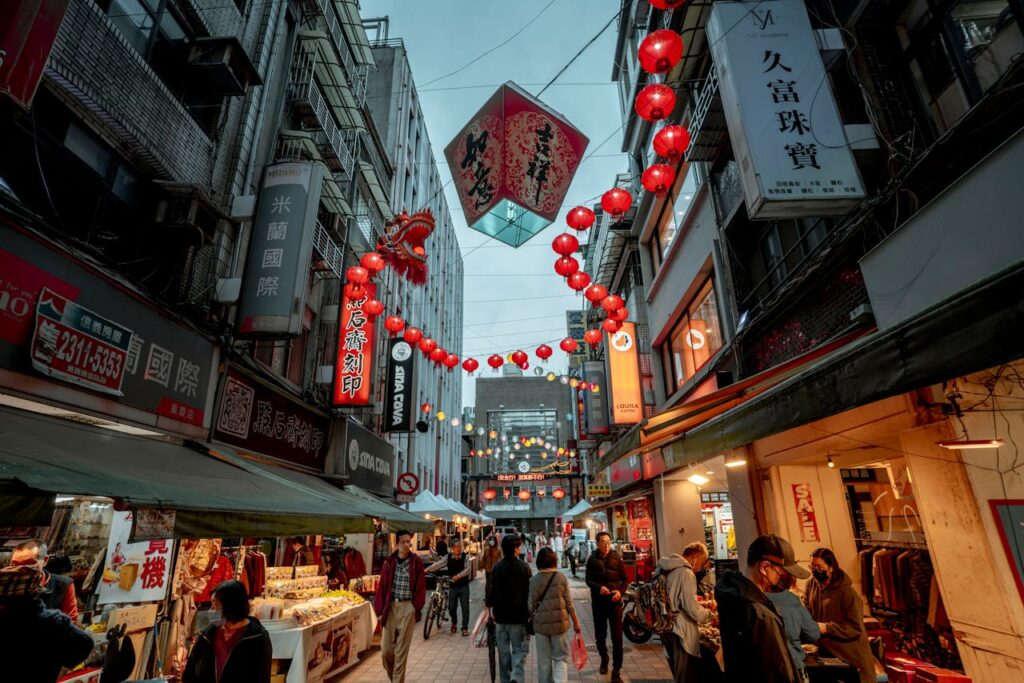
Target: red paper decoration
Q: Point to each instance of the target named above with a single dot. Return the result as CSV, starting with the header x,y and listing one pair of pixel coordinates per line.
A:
x,y
671,142
558,494
393,324
611,326
357,275
438,355
425,407
612,302
565,244
579,281
373,262
495,361
660,51
524,494
525,365
619,314
658,179
354,291
580,218
595,293
490,494
519,357
470,365
412,335
450,361
665,5
568,345
427,345
592,337
616,202
373,308
543,352
566,266
655,102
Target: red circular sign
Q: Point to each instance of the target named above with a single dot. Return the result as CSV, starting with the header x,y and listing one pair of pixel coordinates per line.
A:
x,y
408,483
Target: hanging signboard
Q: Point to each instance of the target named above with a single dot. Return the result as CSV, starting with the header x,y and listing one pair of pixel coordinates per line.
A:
x,y
624,376
595,404
806,518
134,572
273,299
366,459
400,394
790,145
28,30
353,366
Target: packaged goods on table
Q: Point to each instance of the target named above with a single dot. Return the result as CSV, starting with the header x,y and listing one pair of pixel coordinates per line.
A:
x,y
709,634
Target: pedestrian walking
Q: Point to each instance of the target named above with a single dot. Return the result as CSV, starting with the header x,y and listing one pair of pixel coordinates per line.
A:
x,y
833,602
457,566
558,545
489,556
754,644
234,648
572,551
37,640
552,609
606,577
398,602
800,625
682,643
508,600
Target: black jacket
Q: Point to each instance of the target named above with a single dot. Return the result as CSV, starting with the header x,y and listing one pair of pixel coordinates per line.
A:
x,y
249,661
754,644
509,591
606,571
38,641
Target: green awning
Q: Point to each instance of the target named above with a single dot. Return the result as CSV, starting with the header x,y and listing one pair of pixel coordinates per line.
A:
x,y
396,517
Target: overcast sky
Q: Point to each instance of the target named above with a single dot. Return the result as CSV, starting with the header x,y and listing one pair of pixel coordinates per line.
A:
x,y
513,297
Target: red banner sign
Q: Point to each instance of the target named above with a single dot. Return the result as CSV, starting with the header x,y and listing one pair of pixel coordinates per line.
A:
x,y
353,369
28,29
805,513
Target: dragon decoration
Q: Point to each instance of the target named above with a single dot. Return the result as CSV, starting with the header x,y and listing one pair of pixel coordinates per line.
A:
x,y
401,245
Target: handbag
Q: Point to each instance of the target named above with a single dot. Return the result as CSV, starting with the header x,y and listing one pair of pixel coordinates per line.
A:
x,y
529,622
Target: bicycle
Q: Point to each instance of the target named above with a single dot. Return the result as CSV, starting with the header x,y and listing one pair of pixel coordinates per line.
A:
x,y
437,609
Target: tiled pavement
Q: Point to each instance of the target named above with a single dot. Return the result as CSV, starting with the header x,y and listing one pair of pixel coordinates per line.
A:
x,y
451,658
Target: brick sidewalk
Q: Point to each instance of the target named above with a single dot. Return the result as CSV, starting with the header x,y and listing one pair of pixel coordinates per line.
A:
x,y
447,657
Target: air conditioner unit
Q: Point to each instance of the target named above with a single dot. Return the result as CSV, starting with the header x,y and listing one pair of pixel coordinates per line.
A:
x,y
221,67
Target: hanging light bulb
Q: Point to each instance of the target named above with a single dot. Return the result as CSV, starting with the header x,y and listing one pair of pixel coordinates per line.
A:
x,y
493,434
480,431
440,416
551,377
456,422
564,379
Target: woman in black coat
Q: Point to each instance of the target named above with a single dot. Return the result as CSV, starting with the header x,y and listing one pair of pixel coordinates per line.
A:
x,y
233,649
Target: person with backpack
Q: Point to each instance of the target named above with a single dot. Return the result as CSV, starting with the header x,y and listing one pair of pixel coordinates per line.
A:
x,y
551,609
675,587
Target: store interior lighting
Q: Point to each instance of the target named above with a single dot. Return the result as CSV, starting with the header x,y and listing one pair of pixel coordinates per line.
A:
x,y
831,463
735,461
697,479
970,444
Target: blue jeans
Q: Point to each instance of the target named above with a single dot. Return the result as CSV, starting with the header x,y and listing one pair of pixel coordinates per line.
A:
x,y
553,657
513,646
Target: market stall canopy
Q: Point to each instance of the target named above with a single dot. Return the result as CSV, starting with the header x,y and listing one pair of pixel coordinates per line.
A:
x,y
210,497
396,517
427,503
577,510
463,509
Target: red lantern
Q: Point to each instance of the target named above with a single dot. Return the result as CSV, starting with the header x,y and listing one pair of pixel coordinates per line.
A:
x,y
671,142
353,291
655,102
450,361
470,365
357,275
565,244
524,494
519,357
611,326
580,218
592,337
412,335
619,314
490,494
583,386
616,202
543,352
579,281
524,366
612,302
373,308
658,179
595,293
427,345
425,407
569,345
666,5
660,51
373,262
558,494
393,324
495,361
438,355
566,266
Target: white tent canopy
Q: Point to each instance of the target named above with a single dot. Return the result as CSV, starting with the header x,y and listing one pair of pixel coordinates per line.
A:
x,y
578,510
427,503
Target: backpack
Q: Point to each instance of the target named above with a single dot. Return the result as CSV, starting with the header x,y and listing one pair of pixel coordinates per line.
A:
x,y
652,601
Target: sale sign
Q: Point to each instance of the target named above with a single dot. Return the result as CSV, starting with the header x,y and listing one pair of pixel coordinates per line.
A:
x,y
353,369
77,345
806,518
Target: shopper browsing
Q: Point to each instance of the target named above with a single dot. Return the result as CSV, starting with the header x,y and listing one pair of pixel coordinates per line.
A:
x,y
682,643
457,566
58,591
398,602
606,576
800,626
552,609
302,556
507,599
234,648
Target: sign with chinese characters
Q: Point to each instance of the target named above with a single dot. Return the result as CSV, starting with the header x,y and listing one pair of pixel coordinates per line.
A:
x,y
273,299
28,30
595,404
576,327
168,366
805,516
625,471
400,394
790,146
134,572
353,367
599,491
512,165
366,459
76,345
259,419
522,477
624,376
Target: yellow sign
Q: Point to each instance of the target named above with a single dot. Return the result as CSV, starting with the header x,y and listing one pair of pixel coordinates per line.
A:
x,y
624,376
599,491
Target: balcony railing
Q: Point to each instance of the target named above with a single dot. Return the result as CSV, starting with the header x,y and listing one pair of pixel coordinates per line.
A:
x,y
356,75
370,221
372,153
308,101
328,255
707,119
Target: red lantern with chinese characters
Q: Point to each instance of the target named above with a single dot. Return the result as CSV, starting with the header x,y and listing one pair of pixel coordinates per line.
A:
x,y
427,345
592,337
658,179
612,302
393,324
616,202
357,275
412,335
595,293
490,494
438,355
665,5
566,266
565,244
579,281
543,352
660,51
470,365
558,494
619,314
373,262
580,218
568,345
655,102
450,361
524,494
671,142
373,308
519,357
611,326
495,361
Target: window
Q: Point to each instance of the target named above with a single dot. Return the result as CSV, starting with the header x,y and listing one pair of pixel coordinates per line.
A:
x,y
672,218
694,339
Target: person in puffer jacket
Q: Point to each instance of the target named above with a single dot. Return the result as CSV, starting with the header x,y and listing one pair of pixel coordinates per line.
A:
x,y
682,643
552,609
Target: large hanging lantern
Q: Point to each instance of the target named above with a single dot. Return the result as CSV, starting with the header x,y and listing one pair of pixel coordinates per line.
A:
x,y
373,262
357,275
592,337
519,357
490,494
438,355
373,308
427,345
660,51
666,5
512,165
655,102
412,335
524,494
495,361
595,293
450,361
611,326
658,179
393,324
565,244
568,345
543,352
616,202
580,218
566,266
671,142
612,302
470,365
354,291
579,281
619,314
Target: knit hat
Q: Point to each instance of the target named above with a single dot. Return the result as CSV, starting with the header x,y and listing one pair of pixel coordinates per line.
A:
x,y
24,581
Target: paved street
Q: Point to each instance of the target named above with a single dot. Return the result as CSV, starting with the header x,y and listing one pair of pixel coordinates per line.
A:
x,y
446,657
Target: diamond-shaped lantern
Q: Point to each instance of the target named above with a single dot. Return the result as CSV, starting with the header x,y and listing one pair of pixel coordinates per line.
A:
x,y
512,165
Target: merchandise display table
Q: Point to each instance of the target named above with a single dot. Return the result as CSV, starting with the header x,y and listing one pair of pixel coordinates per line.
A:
x,y
324,648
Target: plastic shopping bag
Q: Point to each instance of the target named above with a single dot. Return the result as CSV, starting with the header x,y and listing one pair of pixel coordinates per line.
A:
x,y
480,630
579,651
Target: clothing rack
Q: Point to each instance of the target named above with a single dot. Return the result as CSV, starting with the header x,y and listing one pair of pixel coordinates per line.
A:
x,y
909,545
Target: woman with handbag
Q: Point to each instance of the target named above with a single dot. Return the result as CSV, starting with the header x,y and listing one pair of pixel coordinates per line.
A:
x,y
551,610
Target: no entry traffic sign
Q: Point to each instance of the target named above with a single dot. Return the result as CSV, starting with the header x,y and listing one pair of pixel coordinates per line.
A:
x,y
408,483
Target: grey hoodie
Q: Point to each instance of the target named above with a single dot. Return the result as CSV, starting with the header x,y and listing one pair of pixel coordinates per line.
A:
x,y
681,585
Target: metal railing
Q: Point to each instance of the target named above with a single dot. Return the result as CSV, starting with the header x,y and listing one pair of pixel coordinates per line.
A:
x,y
370,221
330,254
707,119
355,74
309,102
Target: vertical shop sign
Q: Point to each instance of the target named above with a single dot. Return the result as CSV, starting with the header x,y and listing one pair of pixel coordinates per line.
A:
x,y
273,297
576,327
401,388
595,405
28,29
134,572
805,515
624,376
353,367
791,148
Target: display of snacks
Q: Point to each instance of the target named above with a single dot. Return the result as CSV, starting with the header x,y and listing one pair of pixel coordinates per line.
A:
x,y
319,609
267,609
348,596
306,571
365,584
296,589
709,634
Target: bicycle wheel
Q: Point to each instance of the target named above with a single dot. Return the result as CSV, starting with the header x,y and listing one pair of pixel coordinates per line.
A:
x,y
428,623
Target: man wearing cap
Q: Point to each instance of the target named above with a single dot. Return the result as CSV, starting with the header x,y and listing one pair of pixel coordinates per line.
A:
x,y
754,644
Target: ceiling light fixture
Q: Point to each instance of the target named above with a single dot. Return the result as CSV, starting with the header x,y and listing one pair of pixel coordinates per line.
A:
x,y
970,444
735,461
697,479
831,463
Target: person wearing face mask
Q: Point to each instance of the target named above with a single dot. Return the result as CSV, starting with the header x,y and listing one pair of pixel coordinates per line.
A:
x,y
754,644
800,625
234,648
835,605
490,555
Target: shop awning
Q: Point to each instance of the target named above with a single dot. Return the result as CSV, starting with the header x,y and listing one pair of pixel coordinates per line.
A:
x,y
427,503
577,510
43,456
396,517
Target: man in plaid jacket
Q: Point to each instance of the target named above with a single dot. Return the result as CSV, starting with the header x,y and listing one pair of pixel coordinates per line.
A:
x,y
398,602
